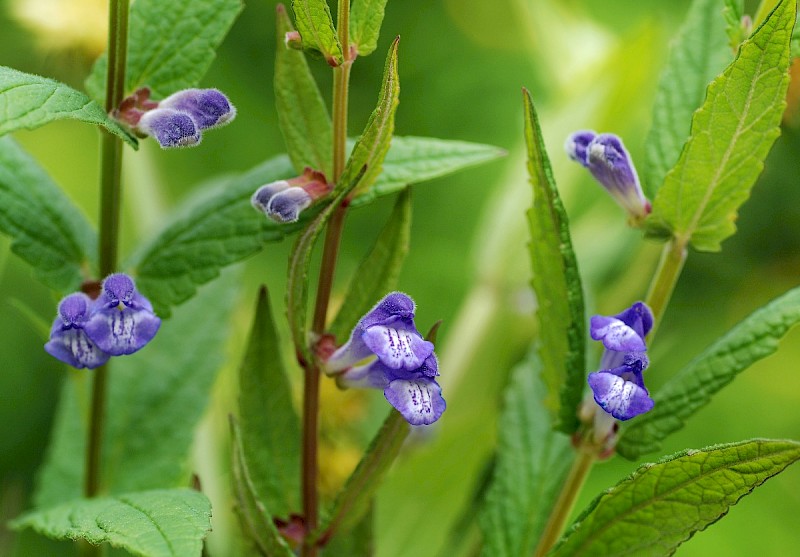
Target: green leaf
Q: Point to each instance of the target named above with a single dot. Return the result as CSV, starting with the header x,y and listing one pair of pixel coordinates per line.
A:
x,y
360,540
532,462
795,50
371,148
270,428
731,135
314,22
698,54
411,160
733,13
159,523
213,230
378,272
170,44
355,499
685,393
366,17
302,114
46,229
662,505
28,101
156,398
557,284
256,521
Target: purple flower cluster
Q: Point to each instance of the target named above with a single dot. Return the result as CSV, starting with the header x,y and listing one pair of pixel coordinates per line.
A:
x,y
284,200
86,332
619,387
401,362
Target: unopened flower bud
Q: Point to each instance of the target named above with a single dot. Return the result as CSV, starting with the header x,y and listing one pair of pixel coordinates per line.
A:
x,y
293,40
208,108
171,128
284,200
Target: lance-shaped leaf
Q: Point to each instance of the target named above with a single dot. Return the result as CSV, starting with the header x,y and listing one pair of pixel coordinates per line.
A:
x,y
531,465
371,148
662,505
302,115
158,523
170,44
411,160
366,17
557,284
28,101
46,229
270,429
314,22
698,54
378,272
256,520
730,137
685,393
355,499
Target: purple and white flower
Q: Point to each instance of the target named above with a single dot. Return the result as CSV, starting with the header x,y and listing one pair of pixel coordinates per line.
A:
x,y
68,339
171,128
284,200
209,108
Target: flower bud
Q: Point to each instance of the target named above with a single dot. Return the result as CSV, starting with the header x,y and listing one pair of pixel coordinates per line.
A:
x,y
208,108
171,128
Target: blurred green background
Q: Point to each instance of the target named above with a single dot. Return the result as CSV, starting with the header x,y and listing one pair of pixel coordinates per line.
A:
x,y
589,64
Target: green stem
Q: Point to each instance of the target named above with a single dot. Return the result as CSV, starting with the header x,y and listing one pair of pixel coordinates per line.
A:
x,y
110,180
669,270
566,501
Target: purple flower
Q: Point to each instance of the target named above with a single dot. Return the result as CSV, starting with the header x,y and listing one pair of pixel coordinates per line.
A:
x,y
68,340
122,320
284,200
609,162
619,387
171,128
402,362
208,108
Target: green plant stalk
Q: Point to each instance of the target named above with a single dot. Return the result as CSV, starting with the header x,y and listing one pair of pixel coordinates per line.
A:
x,y
666,277
341,80
110,179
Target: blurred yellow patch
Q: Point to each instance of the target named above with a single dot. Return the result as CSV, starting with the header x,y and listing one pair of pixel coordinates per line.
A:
x,y
65,24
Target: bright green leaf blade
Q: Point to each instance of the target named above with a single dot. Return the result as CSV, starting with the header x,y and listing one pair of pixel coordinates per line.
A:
x,y
170,44
698,54
214,230
733,13
378,272
684,394
557,284
270,428
662,505
28,101
371,148
411,160
46,229
302,114
315,24
731,135
532,463
366,17
160,394
355,499
159,523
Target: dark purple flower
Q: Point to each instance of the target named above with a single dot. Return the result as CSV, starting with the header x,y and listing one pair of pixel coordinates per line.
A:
x,y
122,320
402,362
208,108
68,340
171,128
609,162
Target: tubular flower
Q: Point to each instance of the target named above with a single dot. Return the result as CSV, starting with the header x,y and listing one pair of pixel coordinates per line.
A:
x,y
68,339
284,200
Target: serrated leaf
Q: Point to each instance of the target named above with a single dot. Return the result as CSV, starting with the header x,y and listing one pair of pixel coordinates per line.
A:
x,y
270,428
531,465
46,229
557,284
159,523
315,24
730,137
411,160
699,52
366,17
156,397
302,115
355,499
371,148
212,231
378,272
170,44
685,393
29,101
662,505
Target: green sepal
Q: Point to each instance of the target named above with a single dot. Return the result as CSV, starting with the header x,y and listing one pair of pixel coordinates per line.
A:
x,y
366,17
557,284
315,24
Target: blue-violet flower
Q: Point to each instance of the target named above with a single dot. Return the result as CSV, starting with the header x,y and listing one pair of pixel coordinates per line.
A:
x,y
609,162
403,364
284,200
68,340
208,108
171,128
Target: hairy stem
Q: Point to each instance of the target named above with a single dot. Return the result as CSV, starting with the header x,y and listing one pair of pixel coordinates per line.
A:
x,y
666,277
